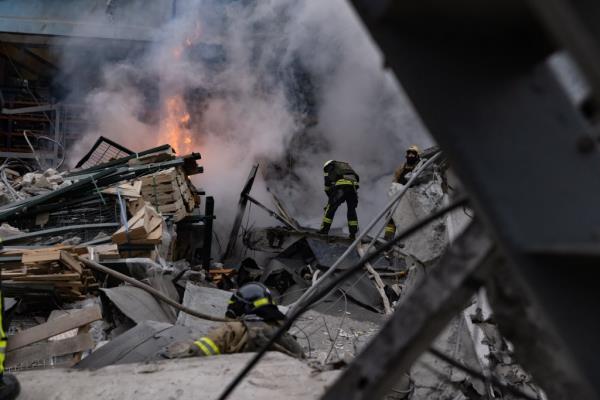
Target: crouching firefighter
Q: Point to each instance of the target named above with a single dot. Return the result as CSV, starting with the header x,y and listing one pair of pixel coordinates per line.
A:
x,y
401,176
341,185
258,320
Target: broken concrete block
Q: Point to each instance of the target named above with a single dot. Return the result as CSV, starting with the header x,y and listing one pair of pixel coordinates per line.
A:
x,y
279,377
206,300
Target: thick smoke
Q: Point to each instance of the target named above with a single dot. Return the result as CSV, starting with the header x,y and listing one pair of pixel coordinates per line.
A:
x,y
288,83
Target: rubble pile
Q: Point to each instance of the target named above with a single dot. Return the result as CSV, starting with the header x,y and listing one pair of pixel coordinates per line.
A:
x,y
110,212
108,264
15,186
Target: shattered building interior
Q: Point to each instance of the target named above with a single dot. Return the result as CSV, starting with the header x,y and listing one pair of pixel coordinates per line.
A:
x,y
160,157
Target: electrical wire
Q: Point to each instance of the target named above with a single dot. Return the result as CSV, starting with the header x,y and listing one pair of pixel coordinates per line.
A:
x,y
339,329
35,153
332,285
33,150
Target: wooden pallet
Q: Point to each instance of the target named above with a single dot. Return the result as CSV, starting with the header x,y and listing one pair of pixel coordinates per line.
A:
x,y
170,192
55,267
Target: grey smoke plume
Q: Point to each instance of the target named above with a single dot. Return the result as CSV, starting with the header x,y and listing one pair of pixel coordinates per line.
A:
x,y
287,83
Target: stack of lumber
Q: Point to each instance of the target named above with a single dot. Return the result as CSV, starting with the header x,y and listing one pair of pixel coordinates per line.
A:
x,y
51,267
170,192
130,190
145,227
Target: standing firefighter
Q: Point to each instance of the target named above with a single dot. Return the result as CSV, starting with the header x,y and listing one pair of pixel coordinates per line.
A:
x,y
341,185
413,156
9,386
258,320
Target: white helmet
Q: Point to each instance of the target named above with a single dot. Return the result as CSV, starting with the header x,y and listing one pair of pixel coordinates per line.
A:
x,y
327,163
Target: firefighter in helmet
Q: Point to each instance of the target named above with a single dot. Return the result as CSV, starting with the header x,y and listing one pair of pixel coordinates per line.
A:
x,y
258,318
341,185
9,385
413,157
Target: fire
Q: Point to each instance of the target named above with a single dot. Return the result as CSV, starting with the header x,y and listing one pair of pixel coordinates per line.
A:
x,y
175,126
175,122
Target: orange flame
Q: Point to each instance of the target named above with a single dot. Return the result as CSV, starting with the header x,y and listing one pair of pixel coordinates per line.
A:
x,y
175,126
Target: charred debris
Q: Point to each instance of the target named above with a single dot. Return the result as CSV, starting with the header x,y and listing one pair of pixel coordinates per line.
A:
x,y
112,261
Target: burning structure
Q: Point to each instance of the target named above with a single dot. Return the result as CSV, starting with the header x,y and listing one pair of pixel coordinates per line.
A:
x,y
110,263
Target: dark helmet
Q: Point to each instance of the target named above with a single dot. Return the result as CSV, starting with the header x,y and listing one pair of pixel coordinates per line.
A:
x,y
248,298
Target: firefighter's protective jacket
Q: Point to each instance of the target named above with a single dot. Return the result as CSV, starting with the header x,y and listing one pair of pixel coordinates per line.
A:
x,y
339,173
400,176
247,335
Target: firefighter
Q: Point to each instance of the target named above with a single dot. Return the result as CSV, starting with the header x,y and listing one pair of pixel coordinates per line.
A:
x,y
413,157
341,185
9,385
258,319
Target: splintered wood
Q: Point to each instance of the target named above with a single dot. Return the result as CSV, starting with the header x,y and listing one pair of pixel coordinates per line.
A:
x,y
52,267
145,227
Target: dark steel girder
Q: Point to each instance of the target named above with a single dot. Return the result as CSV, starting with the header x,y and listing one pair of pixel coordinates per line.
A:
x,y
476,74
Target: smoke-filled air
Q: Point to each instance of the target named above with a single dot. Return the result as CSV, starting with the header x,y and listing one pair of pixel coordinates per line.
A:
x,y
288,84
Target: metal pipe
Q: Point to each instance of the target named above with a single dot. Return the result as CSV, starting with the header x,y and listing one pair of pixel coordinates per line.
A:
x,y
333,267
209,215
271,212
158,295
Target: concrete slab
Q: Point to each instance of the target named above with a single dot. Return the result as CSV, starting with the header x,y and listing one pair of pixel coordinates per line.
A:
x,y
276,377
206,300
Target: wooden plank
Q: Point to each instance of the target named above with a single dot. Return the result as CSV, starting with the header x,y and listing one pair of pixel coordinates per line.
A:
x,y
155,220
47,277
70,262
74,319
107,251
150,189
69,284
137,228
28,355
37,256
126,189
155,237
171,208
158,178
164,198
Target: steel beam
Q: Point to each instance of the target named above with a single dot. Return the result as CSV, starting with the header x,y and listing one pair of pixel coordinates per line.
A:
x,y
237,223
575,25
28,110
526,156
418,320
209,216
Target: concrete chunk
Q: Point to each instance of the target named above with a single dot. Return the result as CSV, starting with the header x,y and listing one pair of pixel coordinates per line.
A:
x,y
277,377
